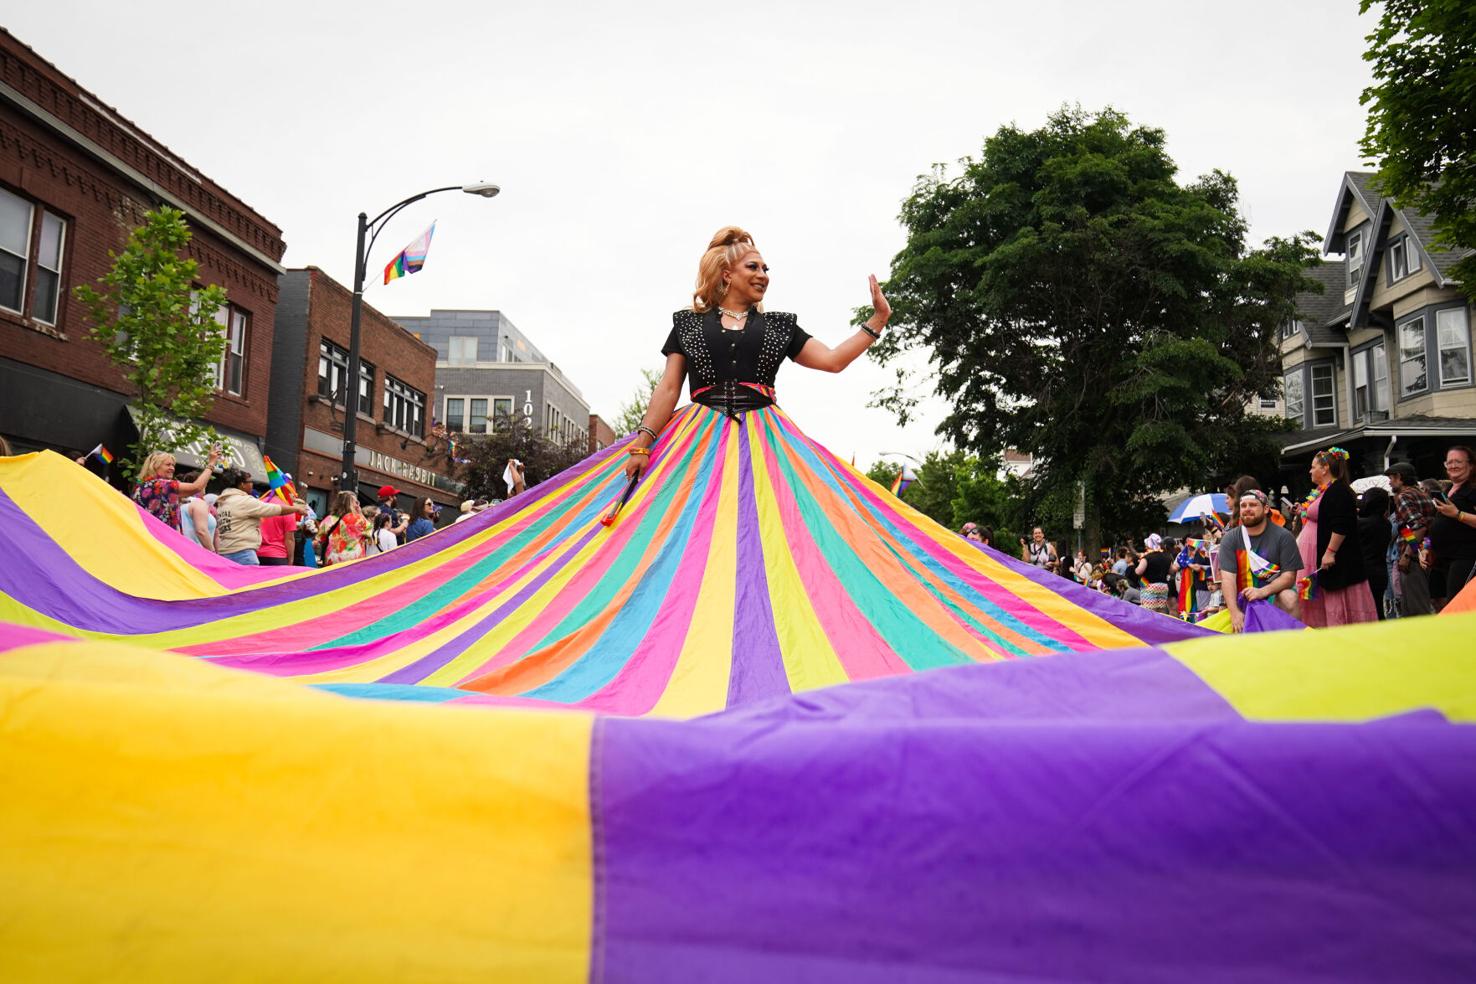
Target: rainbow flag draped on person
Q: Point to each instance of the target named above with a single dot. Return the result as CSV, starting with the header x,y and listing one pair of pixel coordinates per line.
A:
x,y
279,484
410,259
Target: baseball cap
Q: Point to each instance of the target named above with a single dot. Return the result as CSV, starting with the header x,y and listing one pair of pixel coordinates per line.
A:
x,y
1404,470
388,491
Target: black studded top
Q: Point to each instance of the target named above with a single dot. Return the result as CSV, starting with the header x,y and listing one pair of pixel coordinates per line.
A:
x,y
717,358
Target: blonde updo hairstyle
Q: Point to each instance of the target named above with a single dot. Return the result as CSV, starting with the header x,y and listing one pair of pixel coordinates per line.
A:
x,y
154,464
729,245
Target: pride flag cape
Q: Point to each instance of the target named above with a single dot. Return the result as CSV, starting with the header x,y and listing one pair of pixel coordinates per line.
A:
x,y
748,563
1225,809
410,259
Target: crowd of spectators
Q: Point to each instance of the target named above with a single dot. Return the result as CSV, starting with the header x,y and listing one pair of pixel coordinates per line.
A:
x,y
253,525
1338,557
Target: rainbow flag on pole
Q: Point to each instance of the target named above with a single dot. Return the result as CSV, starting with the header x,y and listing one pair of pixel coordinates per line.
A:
x,y
102,453
411,258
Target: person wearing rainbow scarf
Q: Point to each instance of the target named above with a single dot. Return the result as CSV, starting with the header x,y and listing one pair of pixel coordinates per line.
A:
x,y
1258,560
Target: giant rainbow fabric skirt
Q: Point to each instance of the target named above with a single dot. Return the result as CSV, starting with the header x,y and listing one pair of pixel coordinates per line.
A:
x,y
1076,789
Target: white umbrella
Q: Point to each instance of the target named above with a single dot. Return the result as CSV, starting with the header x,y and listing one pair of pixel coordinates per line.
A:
x,y
1361,485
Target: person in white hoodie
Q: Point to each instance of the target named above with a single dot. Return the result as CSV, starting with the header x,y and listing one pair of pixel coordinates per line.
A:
x,y
238,518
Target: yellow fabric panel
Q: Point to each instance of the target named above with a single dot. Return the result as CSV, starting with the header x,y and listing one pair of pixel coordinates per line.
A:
x,y
810,659
1355,673
169,820
699,682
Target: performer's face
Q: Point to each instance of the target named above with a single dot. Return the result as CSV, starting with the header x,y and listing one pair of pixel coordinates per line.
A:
x,y
748,279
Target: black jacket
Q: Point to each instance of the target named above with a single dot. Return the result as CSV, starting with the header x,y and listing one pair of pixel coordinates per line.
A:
x,y
1337,512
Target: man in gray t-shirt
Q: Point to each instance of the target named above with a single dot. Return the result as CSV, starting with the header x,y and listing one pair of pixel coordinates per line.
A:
x,y
1272,544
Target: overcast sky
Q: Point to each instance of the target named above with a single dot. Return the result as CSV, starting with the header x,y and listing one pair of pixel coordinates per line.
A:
x,y
623,135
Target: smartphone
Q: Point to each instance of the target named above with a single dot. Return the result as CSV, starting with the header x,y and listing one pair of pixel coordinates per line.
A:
x,y
1439,496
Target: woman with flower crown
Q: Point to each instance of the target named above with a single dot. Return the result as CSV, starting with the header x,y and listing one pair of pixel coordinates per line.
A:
x,y
1334,584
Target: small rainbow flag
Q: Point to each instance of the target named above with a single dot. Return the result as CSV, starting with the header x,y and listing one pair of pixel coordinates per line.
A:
x,y
411,258
1307,587
103,453
904,478
1213,521
280,486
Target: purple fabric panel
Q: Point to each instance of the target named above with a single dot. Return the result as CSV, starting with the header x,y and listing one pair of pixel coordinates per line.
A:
x,y
1264,616
758,665
1105,831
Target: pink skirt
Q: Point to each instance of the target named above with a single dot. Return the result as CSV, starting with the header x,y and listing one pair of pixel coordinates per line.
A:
x,y
1341,606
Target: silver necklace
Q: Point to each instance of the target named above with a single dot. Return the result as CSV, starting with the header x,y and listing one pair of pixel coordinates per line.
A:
x,y
735,315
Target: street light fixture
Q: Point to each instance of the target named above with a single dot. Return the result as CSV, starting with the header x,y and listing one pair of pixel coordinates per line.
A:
x,y
348,480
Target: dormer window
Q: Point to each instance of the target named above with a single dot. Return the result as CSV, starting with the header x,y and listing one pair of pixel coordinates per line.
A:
x,y
1355,256
1404,259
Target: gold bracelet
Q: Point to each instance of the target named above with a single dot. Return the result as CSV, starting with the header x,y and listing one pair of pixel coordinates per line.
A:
x,y
644,451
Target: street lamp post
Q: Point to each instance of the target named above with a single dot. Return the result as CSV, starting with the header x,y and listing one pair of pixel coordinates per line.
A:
x,y
348,480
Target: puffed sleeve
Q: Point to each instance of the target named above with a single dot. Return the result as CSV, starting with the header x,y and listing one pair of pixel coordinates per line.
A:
x,y
674,340
797,339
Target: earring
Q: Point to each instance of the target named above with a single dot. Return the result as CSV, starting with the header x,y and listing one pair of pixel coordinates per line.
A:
x,y
724,290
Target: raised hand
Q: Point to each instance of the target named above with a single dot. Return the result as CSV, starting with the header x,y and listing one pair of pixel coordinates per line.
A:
x,y
879,301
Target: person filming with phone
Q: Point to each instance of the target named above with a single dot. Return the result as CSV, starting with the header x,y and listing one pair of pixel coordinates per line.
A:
x,y
1453,533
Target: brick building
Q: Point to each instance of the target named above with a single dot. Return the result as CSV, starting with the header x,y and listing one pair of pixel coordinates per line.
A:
x,y
397,375
601,434
75,179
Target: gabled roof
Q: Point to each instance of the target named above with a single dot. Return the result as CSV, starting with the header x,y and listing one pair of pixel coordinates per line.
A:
x,y
1323,313
1360,186
1357,186
1422,227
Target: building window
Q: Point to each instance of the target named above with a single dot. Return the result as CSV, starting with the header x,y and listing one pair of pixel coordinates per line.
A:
x,y
463,350
1404,259
1294,407
1371,384
1453,339
366,387
455,414
1290,329
477,420
502,411
48,269
404,406
1324,397
1412,370
230,372
1355,256
15,249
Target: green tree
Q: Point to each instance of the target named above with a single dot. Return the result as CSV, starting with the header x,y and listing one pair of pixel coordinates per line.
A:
x,y
633,413
1078,303
954,488
148,317
1422,116
486,457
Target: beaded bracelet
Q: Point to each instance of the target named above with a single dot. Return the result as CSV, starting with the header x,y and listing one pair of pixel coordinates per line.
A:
x,y
644,451
643,429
